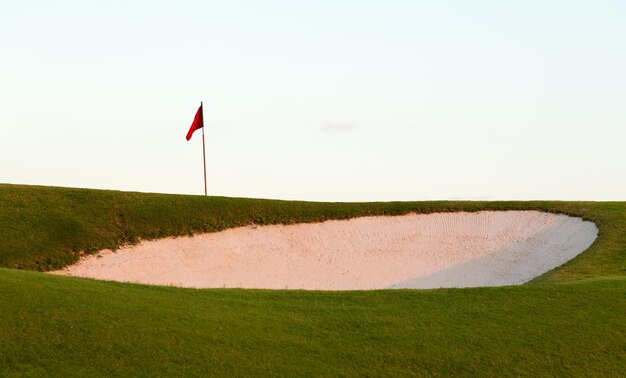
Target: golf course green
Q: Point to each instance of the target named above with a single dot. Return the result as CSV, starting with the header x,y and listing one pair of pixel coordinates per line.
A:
x,y
570,321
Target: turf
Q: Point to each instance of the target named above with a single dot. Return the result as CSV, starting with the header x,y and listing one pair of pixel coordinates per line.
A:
x,y
568,322
59,325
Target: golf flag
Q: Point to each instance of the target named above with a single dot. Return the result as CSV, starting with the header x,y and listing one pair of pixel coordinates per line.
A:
x,y
198,123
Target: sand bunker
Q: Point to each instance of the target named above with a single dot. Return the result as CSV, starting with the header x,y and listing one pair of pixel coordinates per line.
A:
x,y
490,248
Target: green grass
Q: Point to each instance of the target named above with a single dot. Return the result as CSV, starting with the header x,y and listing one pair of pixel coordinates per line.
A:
x,y
568,322
58,326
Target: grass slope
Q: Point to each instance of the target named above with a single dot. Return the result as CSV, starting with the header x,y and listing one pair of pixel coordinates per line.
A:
x,y
43,228
570,322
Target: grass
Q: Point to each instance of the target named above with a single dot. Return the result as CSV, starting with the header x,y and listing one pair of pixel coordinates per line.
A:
x,y
568,322
59,325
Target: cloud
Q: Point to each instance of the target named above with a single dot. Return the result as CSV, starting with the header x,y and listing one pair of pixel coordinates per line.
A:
x,y
331,126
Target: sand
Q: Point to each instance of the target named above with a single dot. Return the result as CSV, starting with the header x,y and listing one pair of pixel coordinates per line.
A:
x,y
489,248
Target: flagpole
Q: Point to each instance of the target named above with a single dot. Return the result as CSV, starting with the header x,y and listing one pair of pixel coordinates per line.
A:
x,y
203,153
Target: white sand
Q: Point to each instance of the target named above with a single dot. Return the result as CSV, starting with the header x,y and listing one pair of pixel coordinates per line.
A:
x,y
490,248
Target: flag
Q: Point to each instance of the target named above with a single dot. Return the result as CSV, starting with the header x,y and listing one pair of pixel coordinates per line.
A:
x,y
198,123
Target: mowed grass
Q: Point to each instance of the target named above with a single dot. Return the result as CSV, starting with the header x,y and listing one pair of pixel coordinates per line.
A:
x,y
59,326
568,322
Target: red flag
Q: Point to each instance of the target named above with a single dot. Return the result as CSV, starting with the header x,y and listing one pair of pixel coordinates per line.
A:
x,y
198,123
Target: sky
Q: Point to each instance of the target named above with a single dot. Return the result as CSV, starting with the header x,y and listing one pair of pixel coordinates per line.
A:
x,y
343,100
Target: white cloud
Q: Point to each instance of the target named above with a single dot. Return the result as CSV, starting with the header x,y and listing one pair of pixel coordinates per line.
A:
x,y
332,126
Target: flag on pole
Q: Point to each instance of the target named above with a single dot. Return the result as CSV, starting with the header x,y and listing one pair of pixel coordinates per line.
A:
x,y
198,123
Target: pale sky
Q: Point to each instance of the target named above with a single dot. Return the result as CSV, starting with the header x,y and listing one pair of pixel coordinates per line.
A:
x,y
318,100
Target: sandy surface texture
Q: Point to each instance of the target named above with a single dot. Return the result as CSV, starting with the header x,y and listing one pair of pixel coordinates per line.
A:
x,y
489,248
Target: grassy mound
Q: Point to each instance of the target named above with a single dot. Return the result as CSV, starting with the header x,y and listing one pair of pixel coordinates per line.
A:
x,y
570,322
44,228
